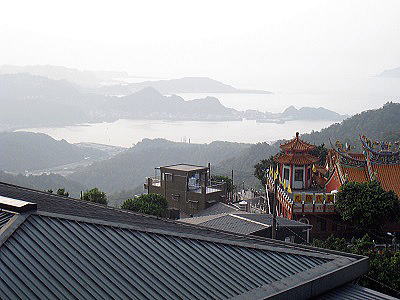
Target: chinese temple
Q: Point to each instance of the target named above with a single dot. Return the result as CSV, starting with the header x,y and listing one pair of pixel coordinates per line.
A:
x,y
296,163
379,161
302,197
301,191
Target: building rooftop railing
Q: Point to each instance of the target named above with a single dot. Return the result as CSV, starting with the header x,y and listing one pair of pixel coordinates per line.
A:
x,y
215,187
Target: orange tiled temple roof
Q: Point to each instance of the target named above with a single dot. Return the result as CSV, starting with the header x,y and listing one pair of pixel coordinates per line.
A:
x,y
297,145
388,176
299,159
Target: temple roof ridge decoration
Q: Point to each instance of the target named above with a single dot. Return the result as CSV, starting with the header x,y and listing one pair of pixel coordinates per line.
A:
x,y
381,152
378,161
347,157
297,145
295,152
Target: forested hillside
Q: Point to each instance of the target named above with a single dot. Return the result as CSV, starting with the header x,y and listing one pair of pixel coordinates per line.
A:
x,y
243,164
44,182
21,151
127,171
379,124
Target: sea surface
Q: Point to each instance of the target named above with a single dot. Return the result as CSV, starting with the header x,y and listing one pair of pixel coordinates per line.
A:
x,y
349,97
126,133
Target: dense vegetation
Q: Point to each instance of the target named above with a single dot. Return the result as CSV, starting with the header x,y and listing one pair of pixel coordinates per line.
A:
x,y
44,182
367,207
243,164
22,151
262,167
229,183
150,204
384,265
95,195
379,124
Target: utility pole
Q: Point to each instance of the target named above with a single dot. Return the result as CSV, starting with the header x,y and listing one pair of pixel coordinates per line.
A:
x,y
274,199
233,189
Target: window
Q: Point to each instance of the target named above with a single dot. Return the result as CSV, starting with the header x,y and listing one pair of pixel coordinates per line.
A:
x,y
168,177
308,174
322,225
298,175
286,174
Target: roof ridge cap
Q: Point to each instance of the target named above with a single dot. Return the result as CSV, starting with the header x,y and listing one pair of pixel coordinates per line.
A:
x,y
248,220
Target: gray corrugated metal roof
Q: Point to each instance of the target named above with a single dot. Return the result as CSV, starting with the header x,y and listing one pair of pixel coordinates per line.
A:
x,y
216,209
5,217
267,219
48,257
231,223
354,292
241,222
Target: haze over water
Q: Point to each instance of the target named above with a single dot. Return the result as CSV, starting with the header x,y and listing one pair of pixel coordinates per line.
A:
x,y
128,132
364,93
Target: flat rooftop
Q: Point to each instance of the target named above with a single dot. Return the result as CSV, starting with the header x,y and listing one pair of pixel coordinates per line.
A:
x,y
185,167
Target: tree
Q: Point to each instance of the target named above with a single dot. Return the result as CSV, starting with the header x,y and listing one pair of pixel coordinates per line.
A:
x,y
384,265
321,152
261,169
226,179
367,206
150,204
95,195
62,192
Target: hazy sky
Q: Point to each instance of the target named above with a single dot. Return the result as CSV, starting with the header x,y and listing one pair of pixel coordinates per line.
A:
x,y
254,44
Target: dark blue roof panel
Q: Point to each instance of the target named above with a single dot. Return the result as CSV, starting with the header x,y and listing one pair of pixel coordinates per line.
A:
x,y
5,216
354,292
48,257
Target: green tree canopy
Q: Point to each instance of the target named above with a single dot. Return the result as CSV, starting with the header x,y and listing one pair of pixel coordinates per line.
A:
x,y
321,152
62,192
367,206
151,204
226,179
95,195
384,265
261,169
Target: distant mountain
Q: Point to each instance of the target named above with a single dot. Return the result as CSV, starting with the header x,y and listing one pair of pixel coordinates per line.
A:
x,y
21,151
44,182
28,100
35,101
107,149
392,73
84,78
311,113
177,86
149,103
127,171
378,124
291,114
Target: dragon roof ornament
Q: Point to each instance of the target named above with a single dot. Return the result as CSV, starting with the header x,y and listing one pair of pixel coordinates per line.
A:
x,y
344,155
380,147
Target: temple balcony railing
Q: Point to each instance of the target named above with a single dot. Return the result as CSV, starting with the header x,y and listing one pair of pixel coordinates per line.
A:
x,y
302,201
